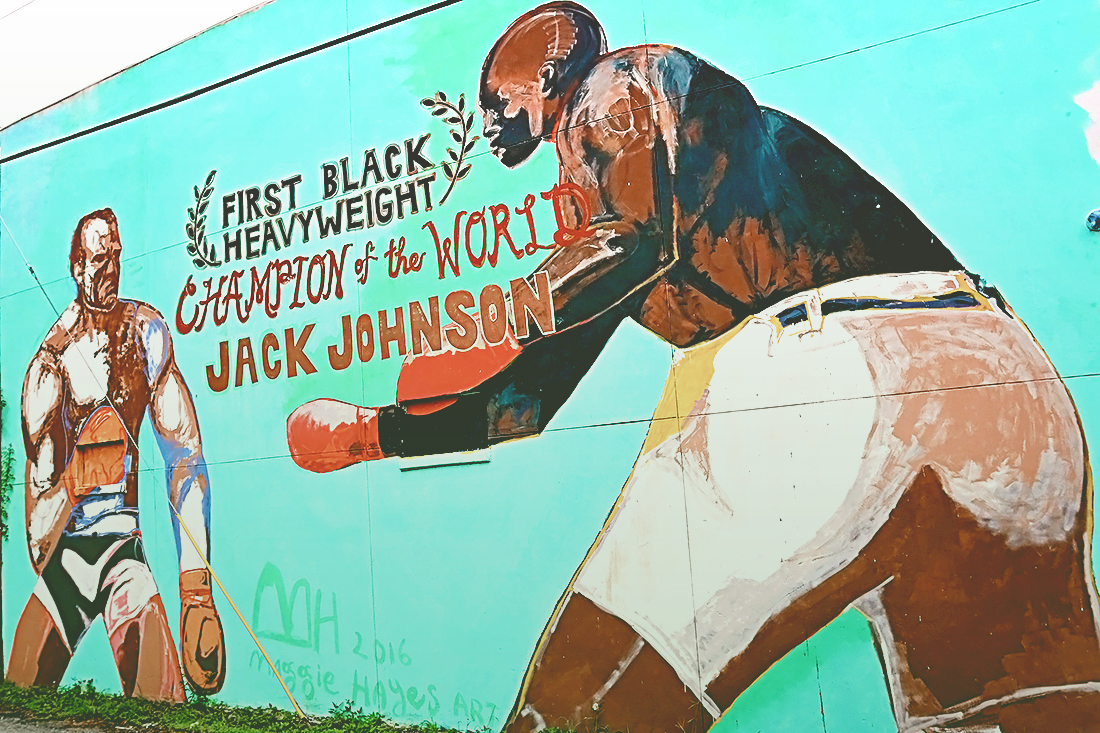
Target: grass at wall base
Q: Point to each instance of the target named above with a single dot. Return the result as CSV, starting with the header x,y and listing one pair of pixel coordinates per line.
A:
x,y
81,704
7,485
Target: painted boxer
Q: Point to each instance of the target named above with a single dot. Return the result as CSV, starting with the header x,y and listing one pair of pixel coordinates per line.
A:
x,y
102,367
853,419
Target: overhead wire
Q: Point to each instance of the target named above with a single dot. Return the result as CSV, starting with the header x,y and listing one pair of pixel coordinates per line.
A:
x,y
16,10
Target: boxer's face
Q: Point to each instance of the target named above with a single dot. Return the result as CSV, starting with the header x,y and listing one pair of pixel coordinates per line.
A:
x,y
513,114
98,274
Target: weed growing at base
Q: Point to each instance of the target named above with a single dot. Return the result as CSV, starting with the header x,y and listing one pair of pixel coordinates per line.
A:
x,y
82,703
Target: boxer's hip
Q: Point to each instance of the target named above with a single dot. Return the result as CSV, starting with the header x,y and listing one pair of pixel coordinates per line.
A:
x,y
780,448
80,579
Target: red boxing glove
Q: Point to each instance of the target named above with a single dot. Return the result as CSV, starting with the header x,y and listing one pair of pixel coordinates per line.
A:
x,y
202,642
430,380
326,435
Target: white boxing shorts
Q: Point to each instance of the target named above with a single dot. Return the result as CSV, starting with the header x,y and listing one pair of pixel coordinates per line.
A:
x,y
780,448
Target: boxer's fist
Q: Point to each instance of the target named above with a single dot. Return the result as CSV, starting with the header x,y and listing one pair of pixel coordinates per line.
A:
x,y
202,643
325,435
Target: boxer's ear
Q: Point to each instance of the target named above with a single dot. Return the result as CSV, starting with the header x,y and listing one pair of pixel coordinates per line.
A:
x,y
548,79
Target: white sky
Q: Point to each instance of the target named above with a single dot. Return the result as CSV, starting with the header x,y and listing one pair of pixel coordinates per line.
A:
x,y
50,49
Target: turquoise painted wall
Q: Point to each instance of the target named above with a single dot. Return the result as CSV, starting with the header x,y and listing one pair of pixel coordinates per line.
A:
x,y
442,579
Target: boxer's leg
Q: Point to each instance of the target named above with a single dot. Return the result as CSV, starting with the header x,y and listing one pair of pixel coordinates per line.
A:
x,y
39,655
746,527
605,657
809,605
590,656
593,669
146,655
137,627
56,616
973,484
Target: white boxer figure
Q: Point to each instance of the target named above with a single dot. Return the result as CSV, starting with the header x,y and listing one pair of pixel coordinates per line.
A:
x,y
103,366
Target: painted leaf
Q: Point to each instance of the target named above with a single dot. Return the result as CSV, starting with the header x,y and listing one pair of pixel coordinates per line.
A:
x,y
439,111
470,122
469,146
448,171
197,194
457,138
463,173
454,120
461,102
427,102
441,96
191,213
210,178
203,205
453,155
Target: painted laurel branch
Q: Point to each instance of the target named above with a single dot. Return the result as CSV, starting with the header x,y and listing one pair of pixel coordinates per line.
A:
x,y
461,123
202,253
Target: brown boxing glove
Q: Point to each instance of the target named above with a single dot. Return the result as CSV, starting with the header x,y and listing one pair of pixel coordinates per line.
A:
x,y
202,643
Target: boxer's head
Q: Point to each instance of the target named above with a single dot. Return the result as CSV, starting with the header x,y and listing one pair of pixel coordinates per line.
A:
x,y
527,75
94,259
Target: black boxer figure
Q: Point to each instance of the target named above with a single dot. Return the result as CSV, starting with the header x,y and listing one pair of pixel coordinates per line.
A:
x,y
706,211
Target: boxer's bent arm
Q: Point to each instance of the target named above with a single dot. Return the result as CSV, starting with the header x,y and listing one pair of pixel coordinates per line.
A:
x,y
44,439
172,414
590,277
616,149
516,403
621,163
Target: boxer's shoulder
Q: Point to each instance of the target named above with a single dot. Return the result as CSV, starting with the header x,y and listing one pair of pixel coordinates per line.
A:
x,y
145,310
132,321
665,69
140,320
61,332
156,341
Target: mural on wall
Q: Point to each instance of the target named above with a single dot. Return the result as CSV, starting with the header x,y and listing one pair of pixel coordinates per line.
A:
x,y
547,379
921,458
104,365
